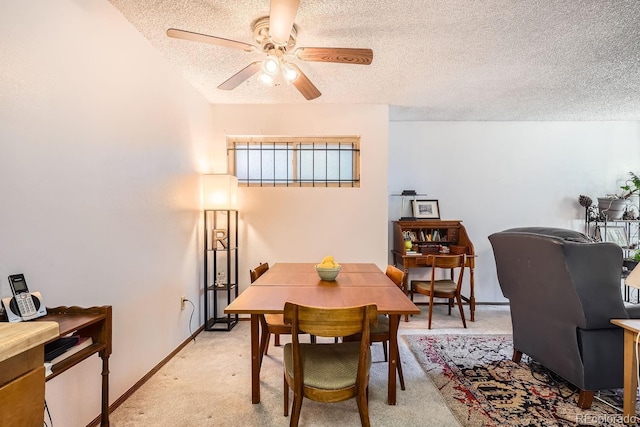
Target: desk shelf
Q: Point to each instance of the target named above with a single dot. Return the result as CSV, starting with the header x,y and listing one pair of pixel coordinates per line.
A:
x,y
94,322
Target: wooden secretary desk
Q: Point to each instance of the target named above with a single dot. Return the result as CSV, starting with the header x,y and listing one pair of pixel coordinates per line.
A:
x,y
427,236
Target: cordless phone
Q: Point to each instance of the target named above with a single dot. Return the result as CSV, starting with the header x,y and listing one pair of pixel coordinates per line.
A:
x,y
23,302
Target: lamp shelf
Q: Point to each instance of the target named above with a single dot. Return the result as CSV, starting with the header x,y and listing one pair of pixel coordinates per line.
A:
x,y
221,323
220,249
220,267
221,288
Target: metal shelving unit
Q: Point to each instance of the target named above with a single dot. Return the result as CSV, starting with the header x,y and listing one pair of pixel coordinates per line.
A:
x,y
625,233
220,268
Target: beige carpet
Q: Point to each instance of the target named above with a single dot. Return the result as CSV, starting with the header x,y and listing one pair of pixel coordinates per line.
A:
x,y
208,383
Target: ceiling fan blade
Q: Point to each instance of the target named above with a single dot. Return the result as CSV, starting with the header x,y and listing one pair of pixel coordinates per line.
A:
x,y
282,14
203,38
335,54
241,76
304,85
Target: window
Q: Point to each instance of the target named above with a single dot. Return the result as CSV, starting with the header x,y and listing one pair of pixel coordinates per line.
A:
x,y
295,161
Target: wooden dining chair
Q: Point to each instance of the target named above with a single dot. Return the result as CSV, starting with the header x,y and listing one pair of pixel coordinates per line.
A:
x,y
328,372
442,288
380,332
270,323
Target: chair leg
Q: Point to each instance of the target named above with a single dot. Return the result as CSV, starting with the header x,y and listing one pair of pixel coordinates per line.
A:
x,y
312,338
264,337
400,376
363,408
406,292
277,340
430,309
384,349
450,305
464,322
517,356
585,399
266,342
286,396
295,412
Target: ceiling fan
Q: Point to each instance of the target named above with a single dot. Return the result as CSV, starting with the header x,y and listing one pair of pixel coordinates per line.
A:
x,y
276,36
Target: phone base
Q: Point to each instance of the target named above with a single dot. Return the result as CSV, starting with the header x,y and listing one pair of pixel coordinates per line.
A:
x,y
14,316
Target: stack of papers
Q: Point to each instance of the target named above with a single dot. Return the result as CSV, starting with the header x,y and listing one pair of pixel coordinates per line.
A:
x,y
81,343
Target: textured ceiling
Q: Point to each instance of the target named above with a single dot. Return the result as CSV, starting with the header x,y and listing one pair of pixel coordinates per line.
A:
x,y
433,59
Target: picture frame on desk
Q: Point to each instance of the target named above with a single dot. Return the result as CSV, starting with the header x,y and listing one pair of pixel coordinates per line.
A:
x,y
428,209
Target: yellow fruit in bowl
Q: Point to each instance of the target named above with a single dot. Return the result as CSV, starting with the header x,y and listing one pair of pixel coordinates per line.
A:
x,y
328,262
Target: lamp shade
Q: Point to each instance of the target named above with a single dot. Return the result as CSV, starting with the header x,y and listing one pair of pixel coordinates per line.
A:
x,y
220,192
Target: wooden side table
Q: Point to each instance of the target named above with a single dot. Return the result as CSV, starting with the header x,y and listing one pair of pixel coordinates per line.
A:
x,y
631,331
94,322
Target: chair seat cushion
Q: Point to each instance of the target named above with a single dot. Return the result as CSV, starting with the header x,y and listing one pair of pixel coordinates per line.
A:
x,y
440,286
382,326
326,366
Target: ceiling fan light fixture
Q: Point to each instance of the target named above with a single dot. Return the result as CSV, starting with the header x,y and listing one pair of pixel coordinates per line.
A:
x,y
289,73
271,65
266,79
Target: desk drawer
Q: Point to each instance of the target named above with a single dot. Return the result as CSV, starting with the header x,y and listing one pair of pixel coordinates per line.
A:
x,y
22,400
416,261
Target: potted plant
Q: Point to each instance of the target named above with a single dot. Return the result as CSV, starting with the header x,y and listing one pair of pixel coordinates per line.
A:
x,y
613,206
631,186
631,261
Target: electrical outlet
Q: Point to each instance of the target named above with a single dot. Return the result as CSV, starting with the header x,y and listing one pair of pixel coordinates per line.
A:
x,y
182,300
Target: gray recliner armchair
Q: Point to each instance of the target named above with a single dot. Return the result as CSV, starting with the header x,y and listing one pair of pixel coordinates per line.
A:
x,y
563,291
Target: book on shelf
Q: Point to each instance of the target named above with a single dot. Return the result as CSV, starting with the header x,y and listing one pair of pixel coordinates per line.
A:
x,y
59,346
82,343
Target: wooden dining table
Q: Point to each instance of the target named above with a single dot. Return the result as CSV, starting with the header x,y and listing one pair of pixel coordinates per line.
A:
x,y
357,284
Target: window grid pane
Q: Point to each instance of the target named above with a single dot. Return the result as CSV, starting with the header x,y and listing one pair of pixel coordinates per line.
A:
x,y
272,161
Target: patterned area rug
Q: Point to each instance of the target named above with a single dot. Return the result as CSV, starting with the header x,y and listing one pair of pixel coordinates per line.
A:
x,y
483,387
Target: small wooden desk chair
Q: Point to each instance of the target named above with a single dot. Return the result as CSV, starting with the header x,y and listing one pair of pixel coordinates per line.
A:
x,y
270,323
442,288
328,372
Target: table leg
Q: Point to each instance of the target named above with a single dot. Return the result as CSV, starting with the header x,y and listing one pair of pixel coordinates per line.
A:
x,y
630,377
104,417
406,288
472,297
255,358
394,319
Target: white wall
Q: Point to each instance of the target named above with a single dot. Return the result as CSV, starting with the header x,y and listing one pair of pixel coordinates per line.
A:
x,y
497,175
305,224
100,145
